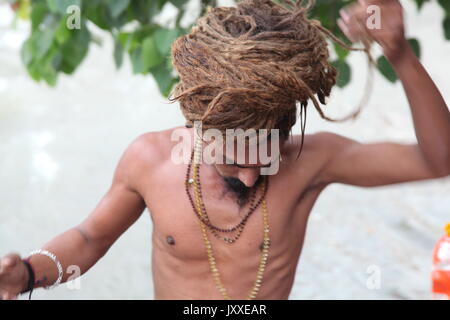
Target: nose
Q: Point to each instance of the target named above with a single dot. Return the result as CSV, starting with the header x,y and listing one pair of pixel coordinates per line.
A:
x,y
248,176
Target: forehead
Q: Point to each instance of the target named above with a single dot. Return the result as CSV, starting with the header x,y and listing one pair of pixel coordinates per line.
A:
x,y
246,151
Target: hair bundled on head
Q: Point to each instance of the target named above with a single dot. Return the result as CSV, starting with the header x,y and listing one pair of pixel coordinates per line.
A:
x,y
247,67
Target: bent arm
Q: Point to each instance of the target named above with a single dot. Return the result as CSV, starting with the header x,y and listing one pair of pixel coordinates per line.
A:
x,y
374,164
429,111
85,244
386,163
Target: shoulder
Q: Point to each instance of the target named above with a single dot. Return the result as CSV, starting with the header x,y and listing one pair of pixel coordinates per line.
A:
x,y
326,144
145,153
152,147
318,152
321,144
330,140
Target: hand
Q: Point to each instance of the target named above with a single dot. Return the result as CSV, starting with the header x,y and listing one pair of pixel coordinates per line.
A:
x,y
385,25
13,276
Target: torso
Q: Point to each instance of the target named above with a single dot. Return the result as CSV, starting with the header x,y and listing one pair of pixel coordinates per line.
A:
x,y
180,266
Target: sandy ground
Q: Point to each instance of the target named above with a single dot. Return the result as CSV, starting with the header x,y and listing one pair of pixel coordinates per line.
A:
x,y
59,147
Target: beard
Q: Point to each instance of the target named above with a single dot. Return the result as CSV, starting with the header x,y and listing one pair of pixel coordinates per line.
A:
x,y
239,189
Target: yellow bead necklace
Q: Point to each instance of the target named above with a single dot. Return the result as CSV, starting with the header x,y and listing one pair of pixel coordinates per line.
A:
x,y
212,261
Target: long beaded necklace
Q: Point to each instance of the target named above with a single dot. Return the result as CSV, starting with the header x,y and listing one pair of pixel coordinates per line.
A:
x,y
212,261
205,218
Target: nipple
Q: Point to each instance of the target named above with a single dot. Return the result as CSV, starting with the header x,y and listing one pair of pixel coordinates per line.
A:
x,y
170,240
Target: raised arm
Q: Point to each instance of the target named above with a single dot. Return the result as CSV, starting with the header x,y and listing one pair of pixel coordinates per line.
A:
x,y
386,163
86,243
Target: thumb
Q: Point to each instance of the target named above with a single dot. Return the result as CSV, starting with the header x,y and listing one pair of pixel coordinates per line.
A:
x,y
9,262
8,296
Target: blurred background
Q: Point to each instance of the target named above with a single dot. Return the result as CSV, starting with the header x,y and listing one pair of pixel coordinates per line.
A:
x,y
61,138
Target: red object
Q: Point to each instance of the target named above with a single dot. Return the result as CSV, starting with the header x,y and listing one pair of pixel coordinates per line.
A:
x,y
440,275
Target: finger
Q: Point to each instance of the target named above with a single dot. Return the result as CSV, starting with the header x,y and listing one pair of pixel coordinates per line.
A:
x,y
350,9
361,27
356,21
8,262
359,15
9,296
343,26
345,15
348,30
352,16
367,3
4,265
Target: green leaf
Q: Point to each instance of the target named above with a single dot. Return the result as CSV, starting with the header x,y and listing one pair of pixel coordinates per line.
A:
x,y
144,10
137,61
43,36
53,5
342,53
39,10
27,52
62,34
344,72
125,40
75,49
34,71
116,7
169,62
43,41
150,54
161,4
386,69
49,74
163,77
178,3
445,4
420,3
118,53
415,46
165,37
57,59
60,6
446,25
133,40
100,15
44,69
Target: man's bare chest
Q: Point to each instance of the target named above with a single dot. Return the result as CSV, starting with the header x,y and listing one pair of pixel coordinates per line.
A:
x,y
177,230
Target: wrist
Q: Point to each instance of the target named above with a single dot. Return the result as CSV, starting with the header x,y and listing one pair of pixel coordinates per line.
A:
x,y
395,55
28,277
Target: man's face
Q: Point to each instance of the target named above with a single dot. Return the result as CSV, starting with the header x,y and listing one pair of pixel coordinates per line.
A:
x,y
241,167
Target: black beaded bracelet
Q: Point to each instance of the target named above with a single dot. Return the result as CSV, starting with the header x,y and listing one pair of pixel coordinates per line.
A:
x,y
31,278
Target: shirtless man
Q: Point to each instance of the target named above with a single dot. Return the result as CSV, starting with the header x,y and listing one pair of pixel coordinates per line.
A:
x,y
147,177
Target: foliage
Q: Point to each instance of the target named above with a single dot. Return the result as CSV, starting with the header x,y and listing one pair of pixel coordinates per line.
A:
x,y
52,47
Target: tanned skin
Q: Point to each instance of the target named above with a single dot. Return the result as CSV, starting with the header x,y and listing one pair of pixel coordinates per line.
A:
x,y
146,177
